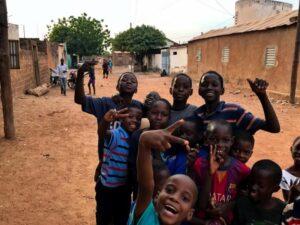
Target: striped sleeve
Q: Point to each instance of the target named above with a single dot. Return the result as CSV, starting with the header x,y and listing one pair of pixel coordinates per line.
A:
x,y
247,121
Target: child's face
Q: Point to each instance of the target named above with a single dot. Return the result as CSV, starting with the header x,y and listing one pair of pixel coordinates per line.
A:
x,y
261,185
188,131
159,115
175,201
150,98
242,150
181,89
221,137
295,149
127,84
210,88
133,121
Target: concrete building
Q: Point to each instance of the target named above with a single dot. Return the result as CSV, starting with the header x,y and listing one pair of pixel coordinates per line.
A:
x,y
252,10
30,60
262,49
178,58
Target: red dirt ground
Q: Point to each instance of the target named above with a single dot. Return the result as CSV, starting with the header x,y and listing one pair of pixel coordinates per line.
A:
x,y
46,173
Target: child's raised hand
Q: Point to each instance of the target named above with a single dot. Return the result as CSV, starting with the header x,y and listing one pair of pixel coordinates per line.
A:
x,y
162,139
213,161
113,114
259,86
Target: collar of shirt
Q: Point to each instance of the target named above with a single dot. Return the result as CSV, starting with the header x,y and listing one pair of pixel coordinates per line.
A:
x,y
201,111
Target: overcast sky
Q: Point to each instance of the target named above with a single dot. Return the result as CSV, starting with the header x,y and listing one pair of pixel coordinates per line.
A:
x,y
180,20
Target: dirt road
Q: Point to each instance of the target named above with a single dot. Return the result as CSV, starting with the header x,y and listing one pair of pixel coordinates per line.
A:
x,y
46,174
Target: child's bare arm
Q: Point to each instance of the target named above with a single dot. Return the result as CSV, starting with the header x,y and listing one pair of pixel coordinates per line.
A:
x,y
79,97
159,140
259,87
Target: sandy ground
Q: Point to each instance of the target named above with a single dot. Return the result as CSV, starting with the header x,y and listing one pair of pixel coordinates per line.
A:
x,y
46,173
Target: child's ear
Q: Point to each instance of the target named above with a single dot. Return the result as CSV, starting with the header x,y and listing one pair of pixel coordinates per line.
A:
x,y
222,91
171,91
190,214
191,91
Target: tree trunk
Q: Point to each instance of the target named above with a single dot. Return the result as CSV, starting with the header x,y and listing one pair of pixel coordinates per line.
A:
x,y
295,62
5,80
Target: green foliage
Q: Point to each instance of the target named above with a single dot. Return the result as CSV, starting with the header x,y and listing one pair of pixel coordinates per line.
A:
x,y
84,35
139,40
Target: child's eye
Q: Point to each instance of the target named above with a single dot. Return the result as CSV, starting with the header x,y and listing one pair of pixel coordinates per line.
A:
x,y
169,189
185,198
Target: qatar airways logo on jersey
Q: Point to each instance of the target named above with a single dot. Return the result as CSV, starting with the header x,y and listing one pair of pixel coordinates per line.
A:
x,y
220,198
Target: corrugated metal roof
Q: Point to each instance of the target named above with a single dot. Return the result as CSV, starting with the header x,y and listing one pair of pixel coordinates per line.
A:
x,y
282,19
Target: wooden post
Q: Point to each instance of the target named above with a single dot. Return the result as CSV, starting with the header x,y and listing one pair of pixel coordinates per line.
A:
x,y
295,62
6,91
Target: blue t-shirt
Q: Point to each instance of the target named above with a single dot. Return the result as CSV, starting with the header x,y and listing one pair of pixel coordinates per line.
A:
x,y
99,106
177,161
149,216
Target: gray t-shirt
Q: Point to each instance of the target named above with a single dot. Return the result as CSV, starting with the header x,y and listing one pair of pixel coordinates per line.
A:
x,y
180,114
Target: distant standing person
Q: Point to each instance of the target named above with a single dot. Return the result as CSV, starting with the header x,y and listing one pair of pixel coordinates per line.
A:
x,y
110,65
62,69
105,69
92,80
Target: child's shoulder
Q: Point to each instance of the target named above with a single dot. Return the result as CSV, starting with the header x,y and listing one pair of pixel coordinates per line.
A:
x,y
278,205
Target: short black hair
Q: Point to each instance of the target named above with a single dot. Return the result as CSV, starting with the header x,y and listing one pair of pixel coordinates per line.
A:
x,y
164,101
220,123
215,73
158,165
270,166
200,128
136,105
242,135
183,75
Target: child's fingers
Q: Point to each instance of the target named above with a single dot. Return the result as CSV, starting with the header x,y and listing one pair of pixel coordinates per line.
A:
x,y
177,140
120,116
122,110
174,126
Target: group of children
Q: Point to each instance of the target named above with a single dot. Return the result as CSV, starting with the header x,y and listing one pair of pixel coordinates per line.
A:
x,y
163,163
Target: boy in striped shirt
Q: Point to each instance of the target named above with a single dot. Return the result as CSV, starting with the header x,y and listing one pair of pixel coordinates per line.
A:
x,y
211,87
113,194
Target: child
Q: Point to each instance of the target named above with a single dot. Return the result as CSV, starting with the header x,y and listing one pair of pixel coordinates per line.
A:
x,y
151,97
158,117
174,203
181,89
291,175
177,158
126,86
62,70
113,195
211,87
92,80
243,145
218,175
291,213
105,69
260,207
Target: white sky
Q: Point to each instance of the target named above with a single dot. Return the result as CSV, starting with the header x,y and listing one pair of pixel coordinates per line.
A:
x,y
180,20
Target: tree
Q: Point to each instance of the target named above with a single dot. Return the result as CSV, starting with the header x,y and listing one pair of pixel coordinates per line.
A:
x,y
84,35
5,80
139,40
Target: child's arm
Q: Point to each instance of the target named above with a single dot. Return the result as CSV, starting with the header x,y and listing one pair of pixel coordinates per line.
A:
x,y
79,97
259,87
159,140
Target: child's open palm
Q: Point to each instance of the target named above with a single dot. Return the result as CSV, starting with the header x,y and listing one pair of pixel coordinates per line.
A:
x,y
213,161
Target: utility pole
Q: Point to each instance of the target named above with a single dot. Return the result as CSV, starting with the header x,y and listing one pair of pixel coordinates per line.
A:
x,y
6,91
295,62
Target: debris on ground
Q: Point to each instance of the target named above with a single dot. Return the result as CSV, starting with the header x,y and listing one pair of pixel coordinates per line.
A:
x,y
39,91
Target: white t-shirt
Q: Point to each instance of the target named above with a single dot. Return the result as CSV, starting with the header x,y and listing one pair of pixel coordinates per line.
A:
x,y
62,70
288,179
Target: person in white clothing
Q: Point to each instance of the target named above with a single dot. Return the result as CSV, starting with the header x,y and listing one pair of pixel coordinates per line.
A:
x,y
291,175
62,69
